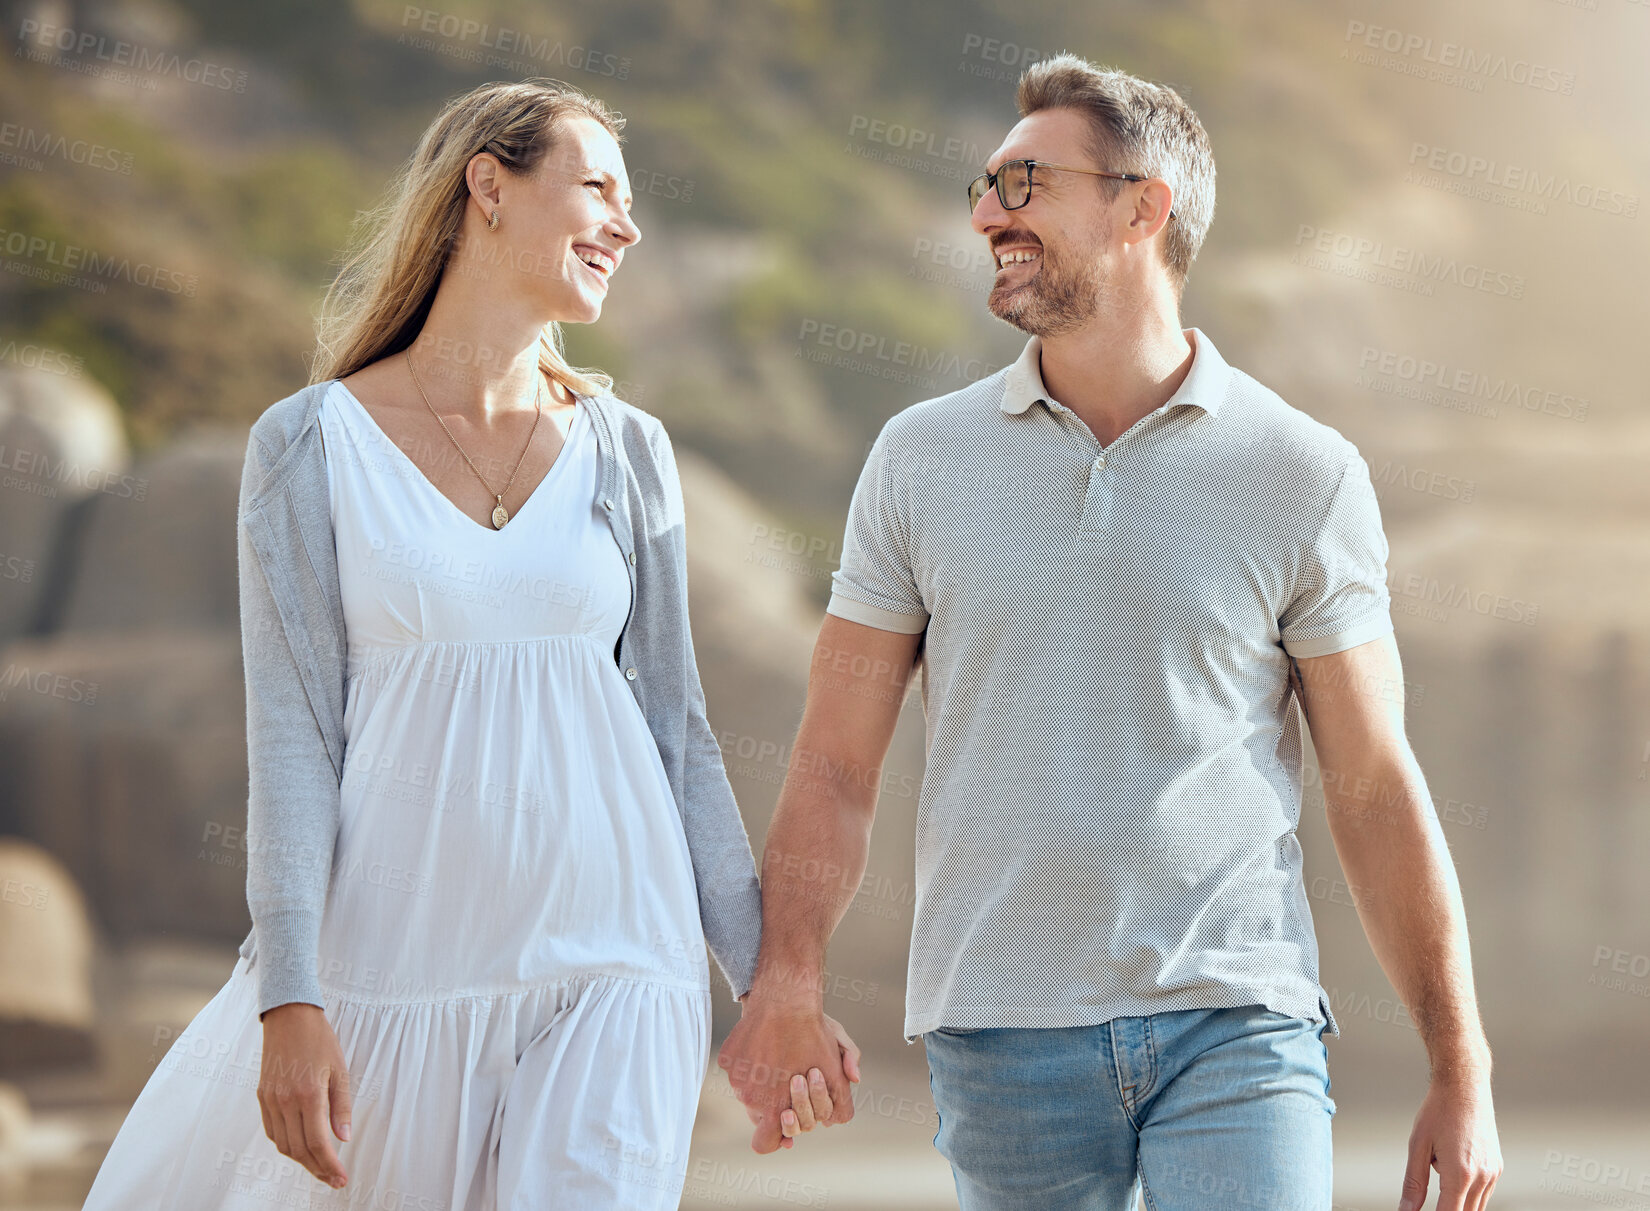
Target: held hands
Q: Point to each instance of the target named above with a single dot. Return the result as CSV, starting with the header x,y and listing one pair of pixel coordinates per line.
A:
x,y
303,1088
793,1066
811,1102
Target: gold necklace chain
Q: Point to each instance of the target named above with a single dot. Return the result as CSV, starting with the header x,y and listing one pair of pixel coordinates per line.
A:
x,y
500,513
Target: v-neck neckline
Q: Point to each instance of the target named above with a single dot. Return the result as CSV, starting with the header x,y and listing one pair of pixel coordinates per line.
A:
x,y
418,473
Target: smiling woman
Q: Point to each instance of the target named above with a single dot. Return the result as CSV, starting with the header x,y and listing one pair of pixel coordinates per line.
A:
x,y
536,133
489,830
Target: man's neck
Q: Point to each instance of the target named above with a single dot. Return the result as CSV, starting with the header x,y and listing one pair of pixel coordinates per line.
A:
x,y
1114,376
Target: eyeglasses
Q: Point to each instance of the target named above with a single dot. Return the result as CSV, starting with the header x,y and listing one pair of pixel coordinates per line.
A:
x,y
1014,179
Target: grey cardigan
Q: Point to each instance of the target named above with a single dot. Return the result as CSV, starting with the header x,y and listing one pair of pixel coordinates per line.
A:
x,y
293,645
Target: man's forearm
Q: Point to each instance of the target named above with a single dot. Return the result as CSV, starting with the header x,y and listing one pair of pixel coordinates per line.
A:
x,y
1390,845
811,868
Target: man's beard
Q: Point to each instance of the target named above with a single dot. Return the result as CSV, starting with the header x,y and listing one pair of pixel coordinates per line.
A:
x,y
1061,295
1058,297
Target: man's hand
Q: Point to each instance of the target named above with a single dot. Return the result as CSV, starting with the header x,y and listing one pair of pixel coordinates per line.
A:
x,y
1455,1134
769,1046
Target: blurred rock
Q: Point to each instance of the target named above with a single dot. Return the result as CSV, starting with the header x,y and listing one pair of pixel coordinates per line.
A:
x,y
160,552
46,1012
753,587
127,759
15,1125
60,442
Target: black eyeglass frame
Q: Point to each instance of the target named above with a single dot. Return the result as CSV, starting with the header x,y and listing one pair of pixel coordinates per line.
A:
x,y
994,179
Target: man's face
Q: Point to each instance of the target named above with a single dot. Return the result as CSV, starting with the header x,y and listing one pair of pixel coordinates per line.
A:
x,y
1056,245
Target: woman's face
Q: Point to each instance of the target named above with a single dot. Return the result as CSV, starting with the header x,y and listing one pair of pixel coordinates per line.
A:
x,y
563,230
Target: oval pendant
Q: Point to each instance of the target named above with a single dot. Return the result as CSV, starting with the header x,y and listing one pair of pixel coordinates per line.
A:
x,y
499,517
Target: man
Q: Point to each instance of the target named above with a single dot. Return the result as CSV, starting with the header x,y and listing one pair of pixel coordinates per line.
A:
x,y
1118,561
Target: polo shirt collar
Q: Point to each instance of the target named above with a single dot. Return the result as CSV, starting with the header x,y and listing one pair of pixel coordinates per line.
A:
x,y
1204,386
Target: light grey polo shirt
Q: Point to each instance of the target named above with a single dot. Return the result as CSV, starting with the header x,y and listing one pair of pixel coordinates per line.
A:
x,y
1107,822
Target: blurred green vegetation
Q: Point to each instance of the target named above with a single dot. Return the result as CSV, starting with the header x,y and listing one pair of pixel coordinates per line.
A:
x,y
251,195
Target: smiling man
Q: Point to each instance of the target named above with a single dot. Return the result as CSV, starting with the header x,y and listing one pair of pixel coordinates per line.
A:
x,y
1120,562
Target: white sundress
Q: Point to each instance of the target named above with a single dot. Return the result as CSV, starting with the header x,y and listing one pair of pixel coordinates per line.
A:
x,y
511,953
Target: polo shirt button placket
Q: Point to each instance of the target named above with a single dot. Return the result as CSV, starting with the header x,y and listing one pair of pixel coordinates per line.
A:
x,y
1094,504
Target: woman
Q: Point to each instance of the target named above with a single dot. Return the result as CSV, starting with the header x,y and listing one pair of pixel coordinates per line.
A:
x,y
489,829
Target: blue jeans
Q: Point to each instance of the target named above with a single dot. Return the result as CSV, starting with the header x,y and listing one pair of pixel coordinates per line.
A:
x,y
1209,1109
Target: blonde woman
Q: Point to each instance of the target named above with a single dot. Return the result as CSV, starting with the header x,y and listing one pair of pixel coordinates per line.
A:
x,y
489,829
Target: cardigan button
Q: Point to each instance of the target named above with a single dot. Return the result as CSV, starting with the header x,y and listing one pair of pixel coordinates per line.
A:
x,y
630,674
633,557
608,505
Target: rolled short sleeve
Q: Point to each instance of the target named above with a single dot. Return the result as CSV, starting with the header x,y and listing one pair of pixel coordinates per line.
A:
x,y
874,584
1341,598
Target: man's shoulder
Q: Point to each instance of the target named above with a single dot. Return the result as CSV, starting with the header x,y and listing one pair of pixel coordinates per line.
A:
x,y
943,416
1288,437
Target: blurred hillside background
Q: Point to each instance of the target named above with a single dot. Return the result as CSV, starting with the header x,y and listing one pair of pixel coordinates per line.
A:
x,y
1446,263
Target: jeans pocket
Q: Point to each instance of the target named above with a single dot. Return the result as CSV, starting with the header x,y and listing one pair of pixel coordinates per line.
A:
x,y
934,1101
957,1031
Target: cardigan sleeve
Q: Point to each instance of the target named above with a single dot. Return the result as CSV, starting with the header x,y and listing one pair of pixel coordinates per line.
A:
x,y
293,791
730,896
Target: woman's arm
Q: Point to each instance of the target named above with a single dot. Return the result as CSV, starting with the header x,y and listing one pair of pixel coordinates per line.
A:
x,y
293,794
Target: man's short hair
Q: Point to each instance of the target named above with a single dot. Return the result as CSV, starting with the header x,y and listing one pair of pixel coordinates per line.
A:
x,y
1139,127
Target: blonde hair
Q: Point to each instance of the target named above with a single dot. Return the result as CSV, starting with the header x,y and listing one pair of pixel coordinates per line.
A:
x,y
1138,127
381,297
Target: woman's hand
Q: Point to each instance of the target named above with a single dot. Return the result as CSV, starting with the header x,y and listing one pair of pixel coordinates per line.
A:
x,y
303,1088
